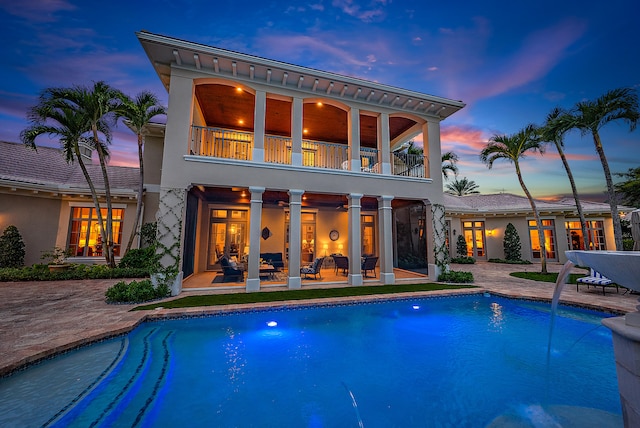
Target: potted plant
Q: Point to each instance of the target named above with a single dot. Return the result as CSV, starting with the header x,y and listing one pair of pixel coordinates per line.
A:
x,y
56,259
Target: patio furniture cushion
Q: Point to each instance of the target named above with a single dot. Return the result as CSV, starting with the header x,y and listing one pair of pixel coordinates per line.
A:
x,y
313,269
595,278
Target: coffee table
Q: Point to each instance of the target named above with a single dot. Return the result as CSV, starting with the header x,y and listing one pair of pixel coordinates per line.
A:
x,y
267,270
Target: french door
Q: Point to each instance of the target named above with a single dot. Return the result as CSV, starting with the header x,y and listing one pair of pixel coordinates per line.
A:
x,y
227,235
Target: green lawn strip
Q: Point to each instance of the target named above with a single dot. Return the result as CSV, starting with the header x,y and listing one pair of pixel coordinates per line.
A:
x,y
546,277
278,296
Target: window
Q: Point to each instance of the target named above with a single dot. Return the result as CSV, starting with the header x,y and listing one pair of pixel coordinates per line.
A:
x,y
595,235
548,227
85,239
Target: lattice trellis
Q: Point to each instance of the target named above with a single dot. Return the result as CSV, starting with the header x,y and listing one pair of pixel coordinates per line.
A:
x,y
439,239
169,220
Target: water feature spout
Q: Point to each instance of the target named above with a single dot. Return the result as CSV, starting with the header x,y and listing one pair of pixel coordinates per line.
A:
x,y
623,268
560,282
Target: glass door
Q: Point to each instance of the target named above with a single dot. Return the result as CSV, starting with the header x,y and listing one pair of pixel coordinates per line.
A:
x,y
368,232
474,235
227,236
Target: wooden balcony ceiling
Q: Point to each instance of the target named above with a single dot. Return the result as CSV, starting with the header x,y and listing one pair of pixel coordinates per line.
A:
x,y
226,107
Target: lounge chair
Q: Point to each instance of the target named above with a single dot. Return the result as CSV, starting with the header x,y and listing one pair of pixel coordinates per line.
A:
x,y
596,279
229,271
341,262
369,264
312,269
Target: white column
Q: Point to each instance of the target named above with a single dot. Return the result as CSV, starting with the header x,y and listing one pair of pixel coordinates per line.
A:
x,y
295,208
384,143
255,223
353,125
296,131
385,226
432,152
354,250
259,117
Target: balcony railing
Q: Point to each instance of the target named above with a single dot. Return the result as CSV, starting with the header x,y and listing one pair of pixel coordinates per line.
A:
x,y
221,143
231,144
408,165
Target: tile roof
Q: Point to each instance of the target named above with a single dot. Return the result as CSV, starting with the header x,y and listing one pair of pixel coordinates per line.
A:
x,y
507,202
47,167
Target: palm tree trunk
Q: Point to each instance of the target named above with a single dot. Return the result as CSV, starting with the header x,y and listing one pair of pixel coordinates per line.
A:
x,y
140,190
543,248
109,257
611,193
574,190
94,193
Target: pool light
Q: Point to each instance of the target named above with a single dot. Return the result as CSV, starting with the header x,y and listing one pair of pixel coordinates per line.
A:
x,y
416,307
272,324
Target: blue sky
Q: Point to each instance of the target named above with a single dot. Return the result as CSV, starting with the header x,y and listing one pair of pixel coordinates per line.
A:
x,y
510,64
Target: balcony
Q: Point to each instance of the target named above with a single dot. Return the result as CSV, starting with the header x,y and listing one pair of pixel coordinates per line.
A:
x,y
233,144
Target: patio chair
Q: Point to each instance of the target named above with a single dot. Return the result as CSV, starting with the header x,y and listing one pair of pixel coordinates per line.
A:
x,y
229,271
341,262
596,279
312,269
369,264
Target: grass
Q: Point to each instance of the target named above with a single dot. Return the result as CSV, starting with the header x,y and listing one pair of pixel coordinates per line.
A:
x,y
546,277
278,296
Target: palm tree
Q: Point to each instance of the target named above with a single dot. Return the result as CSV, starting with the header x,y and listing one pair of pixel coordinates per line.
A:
x,y
556,125
589,117
513,148
98,106
138,113
462,187
55,118
449,160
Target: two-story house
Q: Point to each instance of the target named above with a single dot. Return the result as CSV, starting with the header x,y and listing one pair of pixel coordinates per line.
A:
x,y
261,156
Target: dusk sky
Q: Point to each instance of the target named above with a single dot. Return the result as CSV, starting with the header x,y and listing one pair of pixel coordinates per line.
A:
x,y
510,63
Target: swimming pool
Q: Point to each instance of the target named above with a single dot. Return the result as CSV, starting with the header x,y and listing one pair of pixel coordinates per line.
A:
x,y
457,361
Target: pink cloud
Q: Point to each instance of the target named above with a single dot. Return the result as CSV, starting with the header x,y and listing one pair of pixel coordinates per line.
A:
x,y
296,46
37,10
460,138
538,54
372,12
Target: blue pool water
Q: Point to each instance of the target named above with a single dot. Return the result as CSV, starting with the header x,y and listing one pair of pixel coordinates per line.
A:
x,y
469,361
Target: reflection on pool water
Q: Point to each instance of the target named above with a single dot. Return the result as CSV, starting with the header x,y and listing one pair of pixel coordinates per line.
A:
x,y
457,361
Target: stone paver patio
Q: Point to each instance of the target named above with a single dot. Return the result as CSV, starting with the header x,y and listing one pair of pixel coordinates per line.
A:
x,y
40,319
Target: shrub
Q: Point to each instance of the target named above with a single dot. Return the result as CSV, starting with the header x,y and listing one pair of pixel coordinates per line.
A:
x,y
511,243
141,258
461,246
627,244
11,248
135,292
40,272
56,256
457,277
464,260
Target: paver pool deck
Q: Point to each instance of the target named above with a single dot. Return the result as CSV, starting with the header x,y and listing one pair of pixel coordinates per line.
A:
x,y
41,319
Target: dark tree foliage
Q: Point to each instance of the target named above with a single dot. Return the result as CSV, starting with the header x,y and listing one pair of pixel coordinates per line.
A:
x,y
512,244
461,246
11,248
630,188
